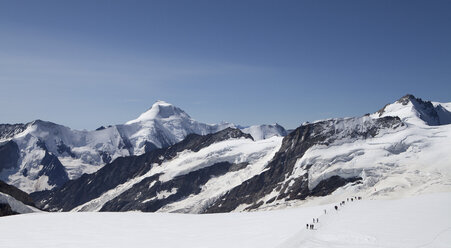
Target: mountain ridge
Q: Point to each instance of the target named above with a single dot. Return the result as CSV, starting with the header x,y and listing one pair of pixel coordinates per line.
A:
x,y
50,154
369,155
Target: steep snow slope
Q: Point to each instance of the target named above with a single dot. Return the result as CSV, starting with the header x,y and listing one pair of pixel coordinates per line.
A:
x,y
421,221
13,200
16,205
402,149
185,177
50,154
411,161
377,156
164,125
418,112
253,154
259,132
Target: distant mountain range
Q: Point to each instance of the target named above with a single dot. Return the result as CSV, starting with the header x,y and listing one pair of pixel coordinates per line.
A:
x,y
42,155
165,161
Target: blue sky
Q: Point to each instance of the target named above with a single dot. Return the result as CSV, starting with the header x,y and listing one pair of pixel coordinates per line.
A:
x,y
91,63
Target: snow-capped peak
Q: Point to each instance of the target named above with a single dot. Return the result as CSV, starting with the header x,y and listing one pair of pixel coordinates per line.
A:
x,y
259,132
75,152
160,110
416,111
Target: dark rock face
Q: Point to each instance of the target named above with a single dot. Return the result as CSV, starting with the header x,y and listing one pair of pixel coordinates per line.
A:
x,y
294,145
9,130
63,148
40,143
90,186
106,158
53,168
433,116
6,210
144,195
9,155
16,193
100,128
329,185
149,146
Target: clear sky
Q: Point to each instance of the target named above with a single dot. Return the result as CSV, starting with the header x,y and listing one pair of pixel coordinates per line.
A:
x,y
90,63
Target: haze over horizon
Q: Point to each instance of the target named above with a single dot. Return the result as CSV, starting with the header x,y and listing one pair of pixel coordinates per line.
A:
x,y
85,64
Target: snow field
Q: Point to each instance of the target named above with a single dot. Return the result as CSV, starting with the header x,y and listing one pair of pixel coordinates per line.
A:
x,y
420,221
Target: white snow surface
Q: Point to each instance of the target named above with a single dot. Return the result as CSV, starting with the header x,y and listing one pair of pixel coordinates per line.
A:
x,y
242,150
259,132
162,125
420,221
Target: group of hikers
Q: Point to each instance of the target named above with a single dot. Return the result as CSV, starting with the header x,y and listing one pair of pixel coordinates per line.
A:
x,y
311,226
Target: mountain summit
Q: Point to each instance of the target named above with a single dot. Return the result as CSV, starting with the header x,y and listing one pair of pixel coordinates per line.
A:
x,y
399,151
160,110
419,112
42,155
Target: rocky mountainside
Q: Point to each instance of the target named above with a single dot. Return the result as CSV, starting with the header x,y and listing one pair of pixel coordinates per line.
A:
x,y
399,150
14,201
287,180
42,155
120,172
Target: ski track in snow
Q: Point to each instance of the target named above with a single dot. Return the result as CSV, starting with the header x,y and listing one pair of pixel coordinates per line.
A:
x,y
420,221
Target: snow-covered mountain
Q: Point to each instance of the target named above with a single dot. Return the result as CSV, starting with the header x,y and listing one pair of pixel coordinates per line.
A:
x,y
260,132
402,149
14,201
42,155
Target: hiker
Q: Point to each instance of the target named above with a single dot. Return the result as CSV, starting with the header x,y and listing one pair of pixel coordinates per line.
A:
x,y
325,212
352,199
306,226
317,221
336,208
313,220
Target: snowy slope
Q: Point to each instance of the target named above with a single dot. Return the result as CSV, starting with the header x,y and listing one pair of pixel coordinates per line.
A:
x,y
16,205
78,151
255,154
416,111
411,160
259,132
401,150
164,125
75,152
421,221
